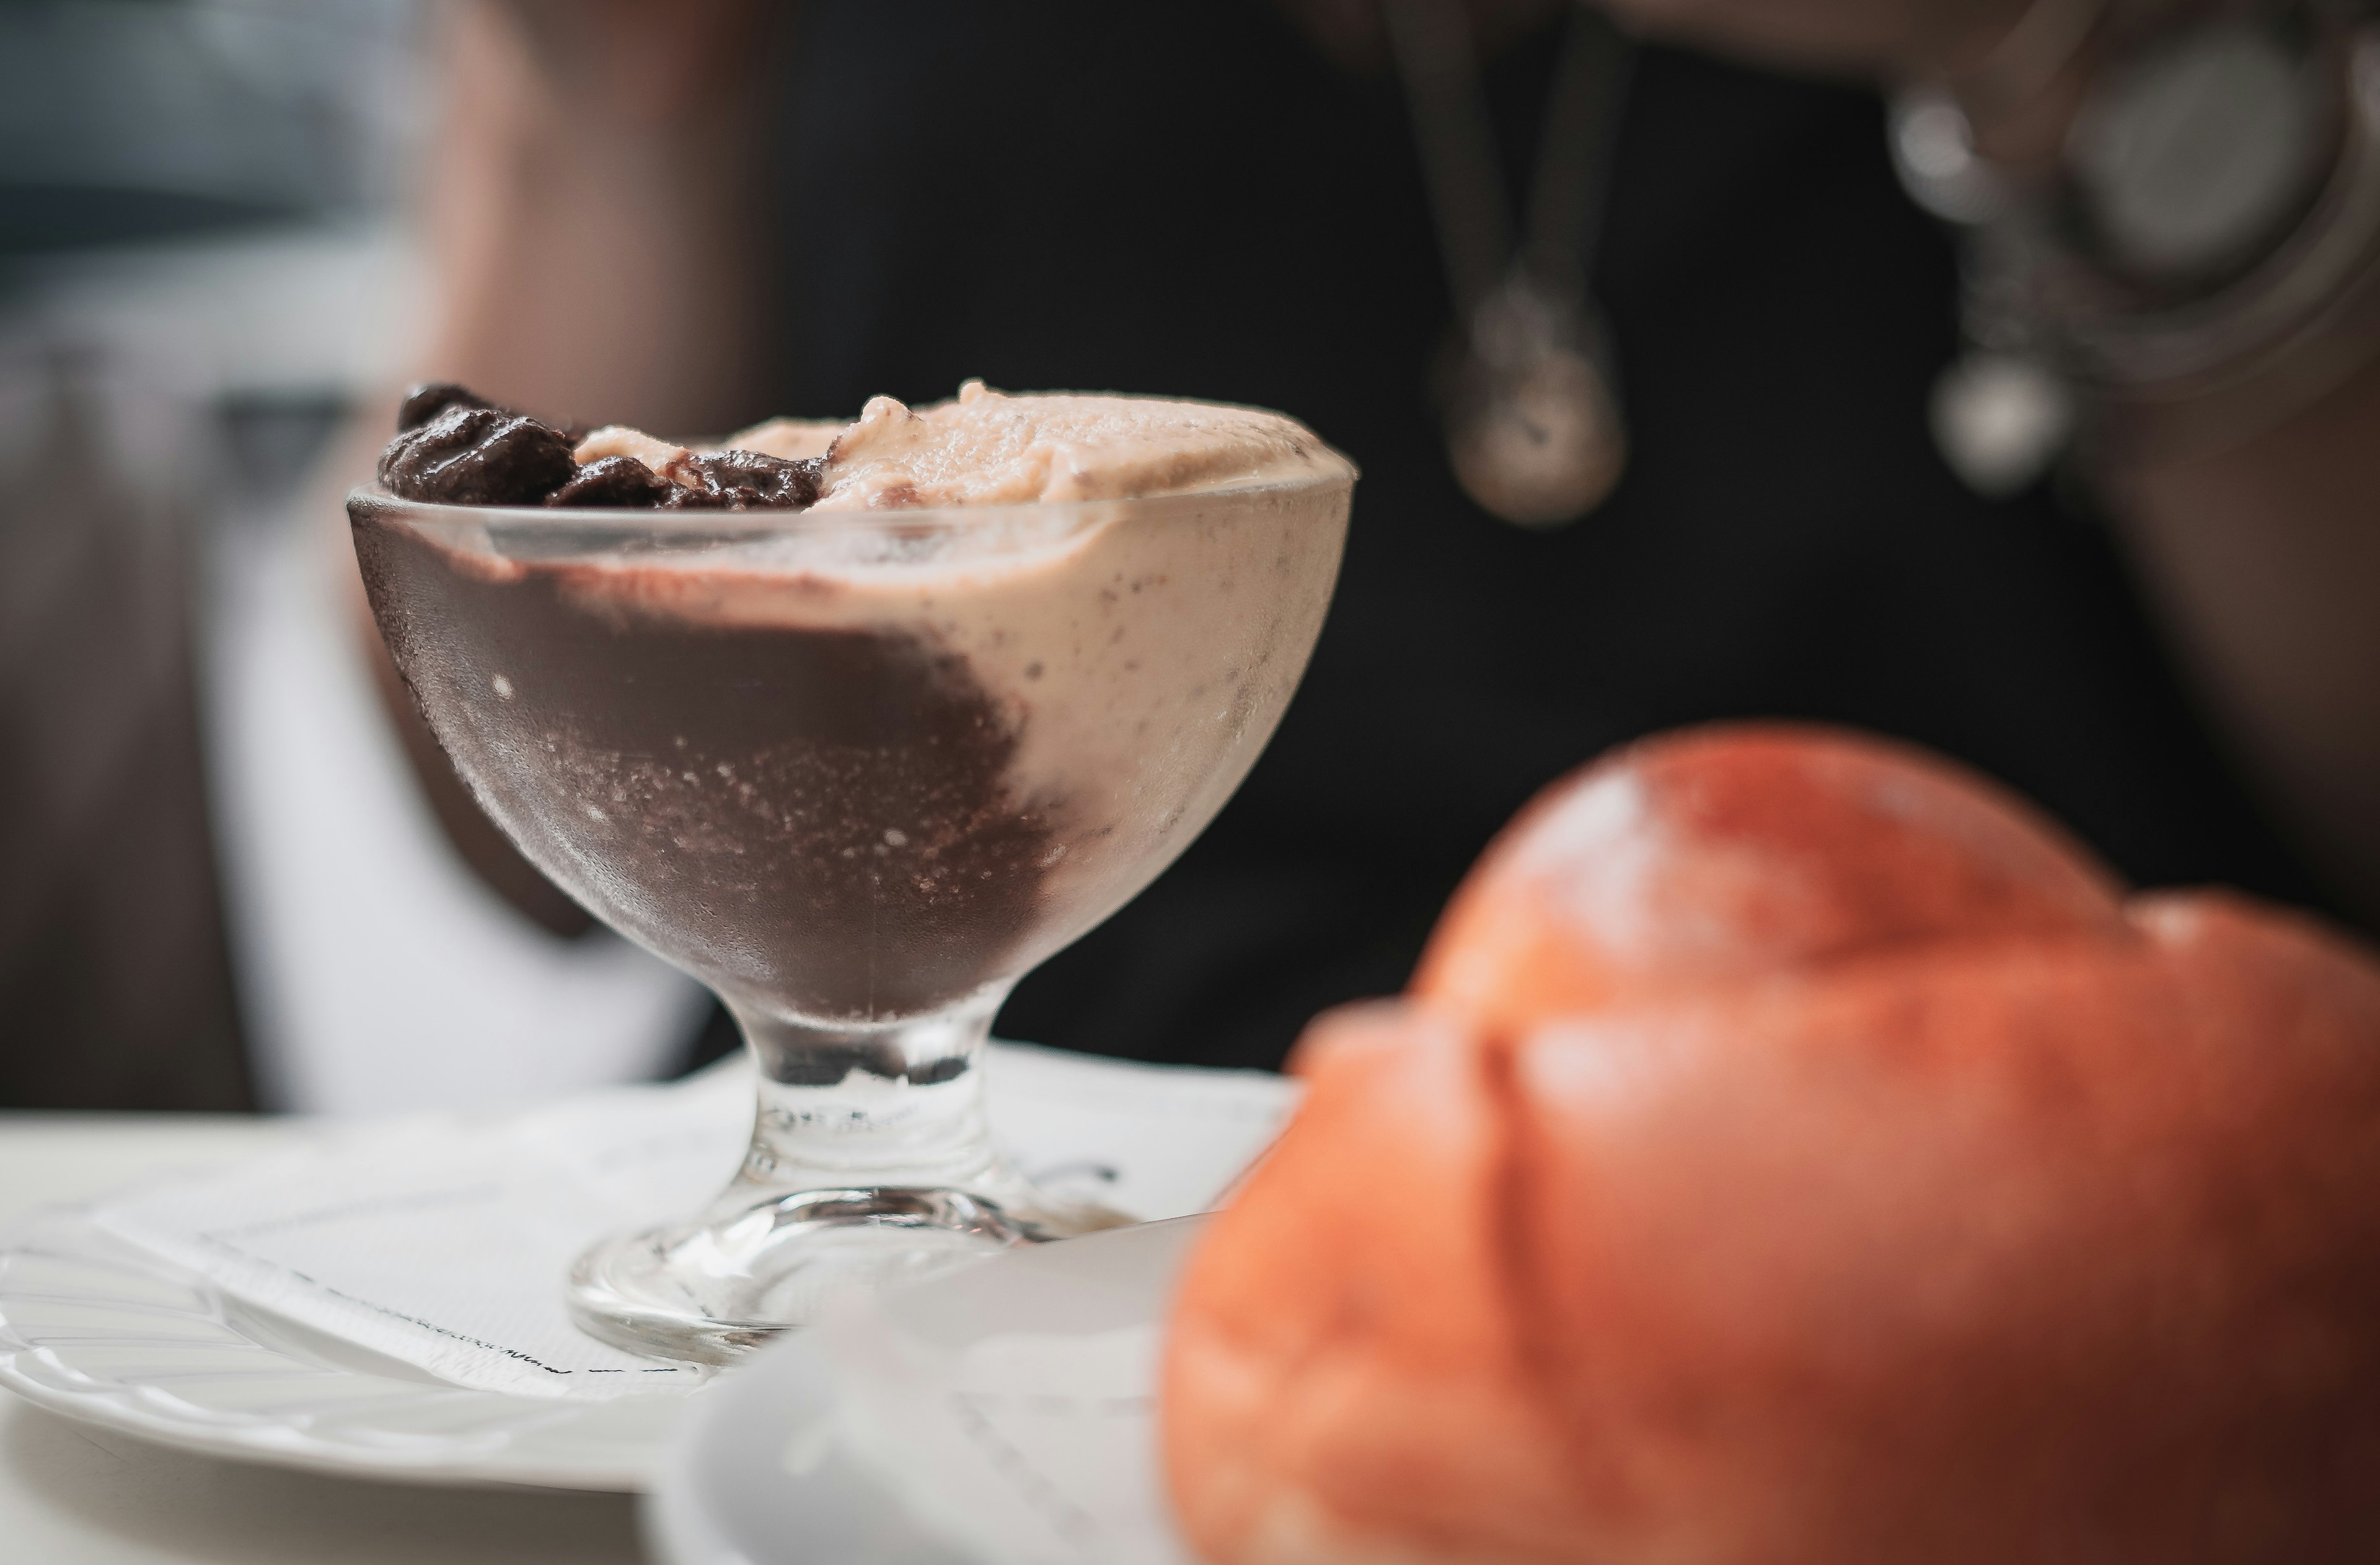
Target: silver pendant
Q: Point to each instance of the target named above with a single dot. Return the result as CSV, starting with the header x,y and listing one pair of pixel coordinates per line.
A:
x,y
2000,419
1529,407
1532,428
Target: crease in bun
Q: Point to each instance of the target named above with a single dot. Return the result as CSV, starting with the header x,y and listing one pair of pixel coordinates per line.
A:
x,y
1299,1421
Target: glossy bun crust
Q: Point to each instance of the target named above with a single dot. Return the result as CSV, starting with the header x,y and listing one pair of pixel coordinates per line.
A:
x,y
1796,1152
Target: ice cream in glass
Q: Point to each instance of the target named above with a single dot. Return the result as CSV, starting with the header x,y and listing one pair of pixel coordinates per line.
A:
x,y
855,723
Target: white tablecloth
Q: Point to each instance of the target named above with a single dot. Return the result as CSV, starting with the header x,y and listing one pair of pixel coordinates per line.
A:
x,y
75,1496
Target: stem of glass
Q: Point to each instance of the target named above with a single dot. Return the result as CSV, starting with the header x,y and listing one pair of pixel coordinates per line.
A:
x,y
897,1105
871,1163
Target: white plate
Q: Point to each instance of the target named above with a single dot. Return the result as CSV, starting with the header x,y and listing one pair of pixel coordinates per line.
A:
x,y
95,1330
752,1480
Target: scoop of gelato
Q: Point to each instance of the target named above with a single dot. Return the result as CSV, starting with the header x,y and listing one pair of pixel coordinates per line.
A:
x,y
985,448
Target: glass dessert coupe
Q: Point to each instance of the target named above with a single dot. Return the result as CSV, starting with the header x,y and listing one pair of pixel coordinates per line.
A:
x,y
858,772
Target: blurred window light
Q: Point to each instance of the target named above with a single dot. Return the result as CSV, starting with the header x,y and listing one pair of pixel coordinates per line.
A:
x,y
124,121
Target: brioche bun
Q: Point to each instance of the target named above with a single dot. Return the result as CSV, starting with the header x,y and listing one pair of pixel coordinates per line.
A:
x,y
1795,1152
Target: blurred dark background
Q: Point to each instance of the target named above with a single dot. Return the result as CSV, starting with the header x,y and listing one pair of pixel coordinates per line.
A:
x,y
220,888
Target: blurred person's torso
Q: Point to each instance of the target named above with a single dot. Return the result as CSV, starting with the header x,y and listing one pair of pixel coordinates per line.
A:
x,y
1191,199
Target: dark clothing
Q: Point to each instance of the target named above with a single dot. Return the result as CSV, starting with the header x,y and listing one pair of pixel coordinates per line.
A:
x,y
1187,198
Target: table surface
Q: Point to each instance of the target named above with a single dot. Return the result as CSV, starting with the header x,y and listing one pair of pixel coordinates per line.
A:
x,y
73,1494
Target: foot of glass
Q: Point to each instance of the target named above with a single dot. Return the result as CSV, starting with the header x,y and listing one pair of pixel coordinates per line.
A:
x,y
871,1164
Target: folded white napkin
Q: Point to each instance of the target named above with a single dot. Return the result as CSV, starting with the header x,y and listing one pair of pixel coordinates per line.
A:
x,y
442,1241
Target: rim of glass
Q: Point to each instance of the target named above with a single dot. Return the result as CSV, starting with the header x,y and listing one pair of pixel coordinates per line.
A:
x,y
650,520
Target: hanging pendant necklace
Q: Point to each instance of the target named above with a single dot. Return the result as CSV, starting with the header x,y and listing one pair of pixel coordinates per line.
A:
x,y
1533,425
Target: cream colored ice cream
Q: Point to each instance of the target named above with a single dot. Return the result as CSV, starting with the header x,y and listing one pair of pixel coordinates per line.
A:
x,y
1133,586
986,448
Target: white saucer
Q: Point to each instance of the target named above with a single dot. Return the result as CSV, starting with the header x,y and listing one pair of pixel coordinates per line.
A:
x,y
97,1330
758,1475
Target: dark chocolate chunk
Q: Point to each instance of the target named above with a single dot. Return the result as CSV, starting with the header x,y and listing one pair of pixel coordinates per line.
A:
x,y
613,481
456,448
744,481
468,455
431,398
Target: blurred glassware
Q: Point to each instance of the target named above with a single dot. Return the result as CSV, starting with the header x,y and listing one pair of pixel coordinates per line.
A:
x,y
781,749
